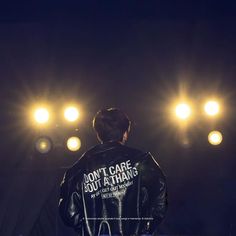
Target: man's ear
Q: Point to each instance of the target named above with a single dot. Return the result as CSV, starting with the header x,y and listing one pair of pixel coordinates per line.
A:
x,y
99,139
125,136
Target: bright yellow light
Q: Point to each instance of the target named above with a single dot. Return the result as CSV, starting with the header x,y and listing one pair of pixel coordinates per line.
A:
x,y
183,111
215,137
73,144
212,108
41,115
43,145
71,114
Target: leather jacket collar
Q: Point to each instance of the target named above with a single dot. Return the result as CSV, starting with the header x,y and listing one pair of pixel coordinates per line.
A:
x,y
106,146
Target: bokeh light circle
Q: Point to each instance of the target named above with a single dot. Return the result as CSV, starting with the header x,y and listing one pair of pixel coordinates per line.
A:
x,y
183,111
215,137
41,115
73,144
212,108
71,114
43,145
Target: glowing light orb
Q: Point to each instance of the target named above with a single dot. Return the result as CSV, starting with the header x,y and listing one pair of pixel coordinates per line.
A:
x,y
212,108
73,144
41,115
43,145
71,114
215,137
183,111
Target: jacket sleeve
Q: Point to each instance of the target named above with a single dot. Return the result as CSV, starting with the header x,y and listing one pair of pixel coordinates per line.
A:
x,y
155,195
70,203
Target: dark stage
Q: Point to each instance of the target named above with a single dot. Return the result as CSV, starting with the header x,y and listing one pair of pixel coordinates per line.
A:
x,y
141,57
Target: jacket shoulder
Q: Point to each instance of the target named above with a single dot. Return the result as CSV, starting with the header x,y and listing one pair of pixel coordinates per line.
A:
x,y
75,169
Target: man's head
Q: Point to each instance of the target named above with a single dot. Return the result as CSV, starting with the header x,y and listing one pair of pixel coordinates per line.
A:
x,y
111,125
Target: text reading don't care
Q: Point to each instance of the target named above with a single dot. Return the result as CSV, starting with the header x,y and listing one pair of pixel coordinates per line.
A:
x,y
109,176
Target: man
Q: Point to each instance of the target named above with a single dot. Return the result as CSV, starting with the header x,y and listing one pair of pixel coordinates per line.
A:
x,y
113,189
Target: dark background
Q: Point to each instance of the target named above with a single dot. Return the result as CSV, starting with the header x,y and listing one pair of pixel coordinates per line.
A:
x,y
138,56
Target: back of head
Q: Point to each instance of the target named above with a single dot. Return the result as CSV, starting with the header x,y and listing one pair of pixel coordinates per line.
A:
x,y
111,124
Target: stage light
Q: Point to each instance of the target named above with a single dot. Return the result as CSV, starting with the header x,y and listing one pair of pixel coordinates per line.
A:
x,y
41,115
73,144
71,114
183,111
215,137
212,108
43,145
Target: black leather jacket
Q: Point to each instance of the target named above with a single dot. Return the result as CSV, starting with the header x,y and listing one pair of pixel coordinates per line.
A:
x,y
114,190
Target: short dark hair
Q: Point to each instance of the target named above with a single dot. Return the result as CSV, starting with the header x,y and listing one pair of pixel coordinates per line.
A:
x,y
111,124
